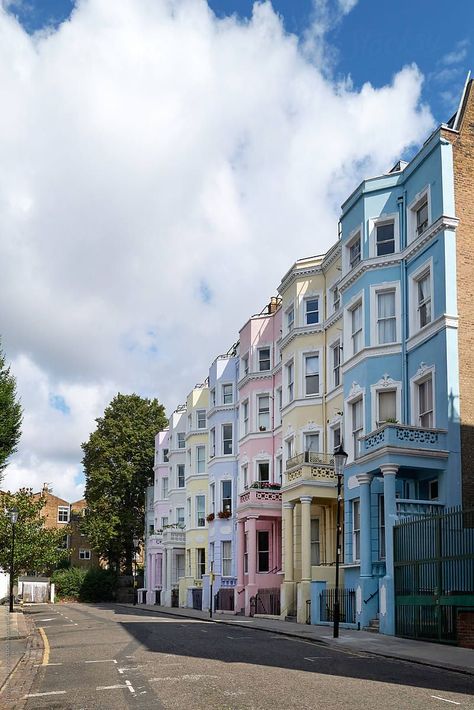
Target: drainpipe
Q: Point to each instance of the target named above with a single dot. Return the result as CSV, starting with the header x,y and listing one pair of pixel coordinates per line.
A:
x,y
404,306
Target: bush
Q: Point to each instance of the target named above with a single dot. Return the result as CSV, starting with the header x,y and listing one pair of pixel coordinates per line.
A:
x,y
99,585
93,585
68,582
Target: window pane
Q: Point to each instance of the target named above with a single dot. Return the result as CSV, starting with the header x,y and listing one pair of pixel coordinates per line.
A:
x,y
227,394
354,253
385,239
422,218
227,496
200,511
264,359
263,472
263,551
312,374
227,439
312,442
264,413
312,311
387,406
315,549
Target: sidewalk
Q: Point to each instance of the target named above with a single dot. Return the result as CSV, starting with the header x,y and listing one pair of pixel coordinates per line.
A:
x,y
425,653
13,640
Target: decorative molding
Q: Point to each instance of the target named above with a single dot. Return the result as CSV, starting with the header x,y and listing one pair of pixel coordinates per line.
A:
x,y
385,381
422,370
355,390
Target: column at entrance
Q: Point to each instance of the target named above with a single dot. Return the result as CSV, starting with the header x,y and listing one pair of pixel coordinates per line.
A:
x,y
387,586
288,587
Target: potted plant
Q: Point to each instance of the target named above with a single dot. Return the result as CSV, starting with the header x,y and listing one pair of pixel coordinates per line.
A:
x,y
223,514
210,517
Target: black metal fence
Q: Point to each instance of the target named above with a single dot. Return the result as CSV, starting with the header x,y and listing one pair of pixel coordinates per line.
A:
x,y
266,601
347,605
224,600
434,574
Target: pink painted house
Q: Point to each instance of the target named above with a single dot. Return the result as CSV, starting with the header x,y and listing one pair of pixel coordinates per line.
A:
x,y
259,572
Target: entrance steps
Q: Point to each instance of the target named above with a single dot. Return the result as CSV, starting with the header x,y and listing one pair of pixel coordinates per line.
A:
x,y
374,626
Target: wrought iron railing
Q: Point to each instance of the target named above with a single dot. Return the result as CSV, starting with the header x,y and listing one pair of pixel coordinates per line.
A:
x,y
347,605
314,458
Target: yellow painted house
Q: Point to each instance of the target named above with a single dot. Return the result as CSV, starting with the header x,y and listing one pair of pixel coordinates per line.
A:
x,y
311,400
196,475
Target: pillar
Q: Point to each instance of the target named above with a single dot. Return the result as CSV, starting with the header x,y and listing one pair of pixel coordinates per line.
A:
x,y
364,481
288,518
306,538
387,585
252,548
163,570
240,552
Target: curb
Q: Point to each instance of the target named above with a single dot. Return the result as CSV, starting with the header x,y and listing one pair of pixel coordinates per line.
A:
x,y
407,659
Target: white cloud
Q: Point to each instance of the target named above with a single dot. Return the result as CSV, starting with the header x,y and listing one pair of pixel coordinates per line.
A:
x,y
161,169
458,54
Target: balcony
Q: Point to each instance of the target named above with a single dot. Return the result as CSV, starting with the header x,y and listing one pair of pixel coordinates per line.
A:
x,y
401,436
156,537
410,508
174,537
311,466
260,497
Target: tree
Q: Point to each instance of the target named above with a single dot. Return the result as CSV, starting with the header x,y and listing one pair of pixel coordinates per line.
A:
x,y
118,462
10,414
37,549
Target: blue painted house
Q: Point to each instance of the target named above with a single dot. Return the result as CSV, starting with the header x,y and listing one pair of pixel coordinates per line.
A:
x,y
400,364
222,471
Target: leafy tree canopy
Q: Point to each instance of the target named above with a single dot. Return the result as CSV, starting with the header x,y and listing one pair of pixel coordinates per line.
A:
x,y
118,462
37,549
10,414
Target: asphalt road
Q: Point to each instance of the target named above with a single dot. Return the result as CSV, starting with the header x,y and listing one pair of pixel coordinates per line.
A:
x,y
106,656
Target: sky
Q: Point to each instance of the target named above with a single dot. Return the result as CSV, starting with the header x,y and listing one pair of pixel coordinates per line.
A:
x,y
164,162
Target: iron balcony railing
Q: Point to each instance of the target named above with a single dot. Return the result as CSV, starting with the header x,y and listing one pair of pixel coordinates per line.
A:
x,y
314,458
403,436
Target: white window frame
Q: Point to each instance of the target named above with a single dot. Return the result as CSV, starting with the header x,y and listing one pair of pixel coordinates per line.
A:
x,y
226,558
212,497
412,209
311,432
289,392
244,469
64,510
415,382
290,318
266,461
259,359
413,314
165,487
223,440
199,460
380,221
181,440
200,495
306,300
348,433
313,353
315,542
84,554
177,475
245,417
226,481
386,286
357,299
260,396
374,400
289,447
351,239
245,360
332,429
225,386
212,442
199,419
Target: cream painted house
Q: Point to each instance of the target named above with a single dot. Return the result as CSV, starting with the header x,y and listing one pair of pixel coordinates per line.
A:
x,y
196,475
311,412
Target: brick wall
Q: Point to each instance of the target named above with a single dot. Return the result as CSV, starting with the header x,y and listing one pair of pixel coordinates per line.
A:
x,y
463,155
465,628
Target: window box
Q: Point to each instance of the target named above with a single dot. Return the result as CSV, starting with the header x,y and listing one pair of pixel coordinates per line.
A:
x,y
210,517
224,514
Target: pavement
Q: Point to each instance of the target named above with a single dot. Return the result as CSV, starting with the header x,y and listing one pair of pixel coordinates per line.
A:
x,y
429,654
13,641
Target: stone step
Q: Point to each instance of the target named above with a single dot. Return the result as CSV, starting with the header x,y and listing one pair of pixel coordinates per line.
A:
x,y
373,626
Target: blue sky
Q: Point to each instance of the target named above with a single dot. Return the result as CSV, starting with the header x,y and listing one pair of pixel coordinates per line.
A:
x,y
371,43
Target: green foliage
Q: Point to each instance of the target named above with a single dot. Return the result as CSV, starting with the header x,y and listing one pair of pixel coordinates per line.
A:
x,y
68,582
118,462
93,585
10,414
99,586
37,549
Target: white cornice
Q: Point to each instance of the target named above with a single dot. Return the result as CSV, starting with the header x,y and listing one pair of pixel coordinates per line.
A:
x,y
443,222
444,321
372,351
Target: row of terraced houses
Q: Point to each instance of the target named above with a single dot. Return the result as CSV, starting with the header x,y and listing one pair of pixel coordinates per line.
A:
x,y
369,344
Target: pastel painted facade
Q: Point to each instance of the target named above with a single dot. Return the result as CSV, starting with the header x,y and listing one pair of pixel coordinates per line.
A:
x,y
155,519
222,470
400,370
196,481
260,462
311,425
173,533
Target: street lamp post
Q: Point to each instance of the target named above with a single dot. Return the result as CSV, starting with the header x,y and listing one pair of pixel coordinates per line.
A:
x,y
135,550
340,458
13,515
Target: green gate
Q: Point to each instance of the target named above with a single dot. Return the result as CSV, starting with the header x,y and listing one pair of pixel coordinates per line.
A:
x,y
434,574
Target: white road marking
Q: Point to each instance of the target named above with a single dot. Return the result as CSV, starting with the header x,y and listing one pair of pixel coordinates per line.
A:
x,y
122,670
191,677
445,700
315,658
129,686
103,660
237,637
111,687
46,619
39,695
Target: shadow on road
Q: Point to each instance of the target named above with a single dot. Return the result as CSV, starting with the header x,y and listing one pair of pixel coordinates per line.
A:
x,y
190,637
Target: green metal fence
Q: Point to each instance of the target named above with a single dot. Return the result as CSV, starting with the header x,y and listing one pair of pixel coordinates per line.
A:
x,y
434,574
